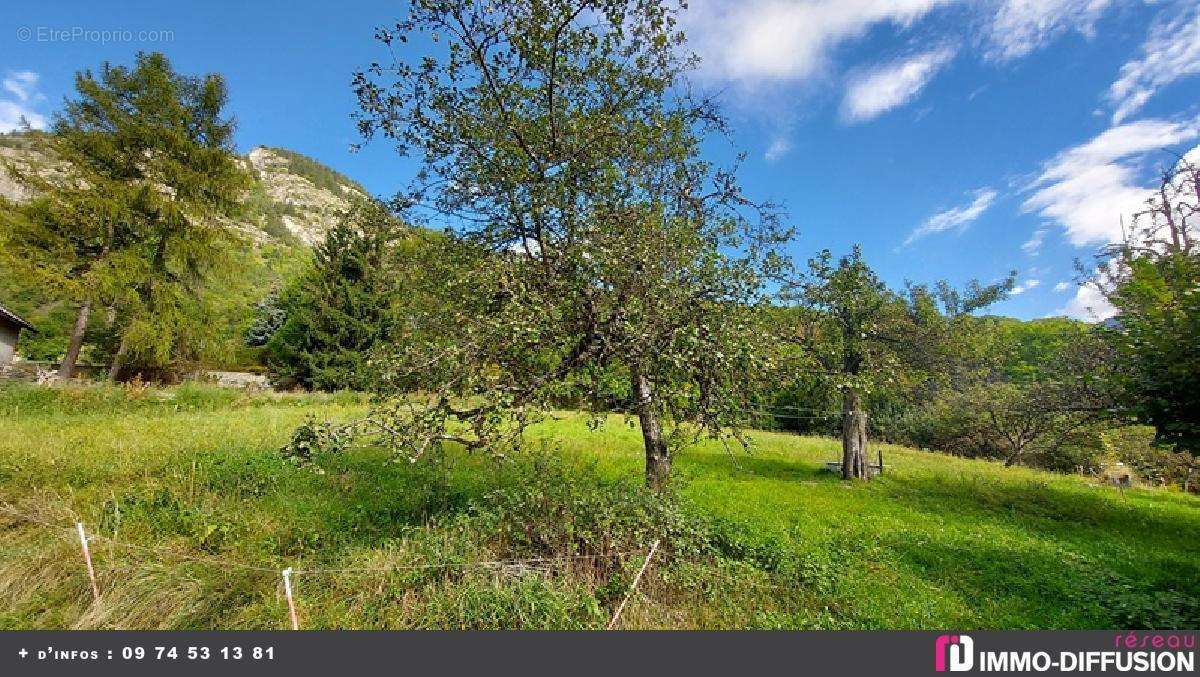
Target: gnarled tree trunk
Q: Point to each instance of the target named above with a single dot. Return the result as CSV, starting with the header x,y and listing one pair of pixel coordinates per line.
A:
x,y
66,370
658,459
854,437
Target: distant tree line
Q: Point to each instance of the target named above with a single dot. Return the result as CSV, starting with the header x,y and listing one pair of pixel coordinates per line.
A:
x,y
317,173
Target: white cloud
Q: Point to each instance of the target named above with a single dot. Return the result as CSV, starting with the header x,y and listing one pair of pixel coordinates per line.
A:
x,y
23,84
1033,246
761,47
1062,287
1088,304
12,117
1022,26
1089,188
527,245
21,87
1025,286
1171,52
786,40
881,89
956,217
778,148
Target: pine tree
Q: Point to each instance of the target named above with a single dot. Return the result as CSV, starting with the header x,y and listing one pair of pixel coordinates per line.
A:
x,y
269,315
132,215
342,307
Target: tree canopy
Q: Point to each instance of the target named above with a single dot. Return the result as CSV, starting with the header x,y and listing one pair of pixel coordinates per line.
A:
x,y
342,307
1152,278
132,213
559,143
861,337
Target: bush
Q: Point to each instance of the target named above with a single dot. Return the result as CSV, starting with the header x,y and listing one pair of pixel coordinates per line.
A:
x,y
958,424
945,426
1081,453
545,507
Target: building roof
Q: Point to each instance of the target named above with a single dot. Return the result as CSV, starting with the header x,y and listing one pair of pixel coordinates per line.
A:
x,y
14,318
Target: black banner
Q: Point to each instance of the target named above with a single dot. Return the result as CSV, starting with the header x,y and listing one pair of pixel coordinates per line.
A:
x,y
725,654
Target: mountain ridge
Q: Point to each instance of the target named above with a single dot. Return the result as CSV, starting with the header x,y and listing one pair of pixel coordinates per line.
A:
x,y
294,199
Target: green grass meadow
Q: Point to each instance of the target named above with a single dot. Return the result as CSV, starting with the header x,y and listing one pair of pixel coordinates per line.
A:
x,y
183,485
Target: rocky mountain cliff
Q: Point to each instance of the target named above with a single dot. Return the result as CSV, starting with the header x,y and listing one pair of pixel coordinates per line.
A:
x,y
294,200
296,196
17,149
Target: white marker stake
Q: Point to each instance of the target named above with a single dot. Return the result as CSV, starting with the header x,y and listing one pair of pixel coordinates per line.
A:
x,y
617,616
287,590
87,557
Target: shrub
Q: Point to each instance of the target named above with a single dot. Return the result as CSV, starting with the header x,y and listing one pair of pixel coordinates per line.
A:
x,y
547,507
945,426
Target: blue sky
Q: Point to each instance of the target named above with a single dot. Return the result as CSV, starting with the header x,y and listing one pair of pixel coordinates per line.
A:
x,y
953,139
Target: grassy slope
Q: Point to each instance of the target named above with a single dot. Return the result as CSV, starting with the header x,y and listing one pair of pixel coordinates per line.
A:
x,y
936,542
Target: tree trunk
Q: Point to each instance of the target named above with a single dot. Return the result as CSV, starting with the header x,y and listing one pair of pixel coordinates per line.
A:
x,y
1012,458
658,459
114,371
854,437
66,370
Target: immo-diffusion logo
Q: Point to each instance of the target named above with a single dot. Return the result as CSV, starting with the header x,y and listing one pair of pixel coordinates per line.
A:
x,y
959,649
1132,652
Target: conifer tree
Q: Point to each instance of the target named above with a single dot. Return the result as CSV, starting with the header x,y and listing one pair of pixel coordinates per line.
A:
x,y
132,214
342,307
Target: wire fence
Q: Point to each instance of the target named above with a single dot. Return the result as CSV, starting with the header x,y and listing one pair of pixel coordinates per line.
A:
x,y
790,415
286,573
